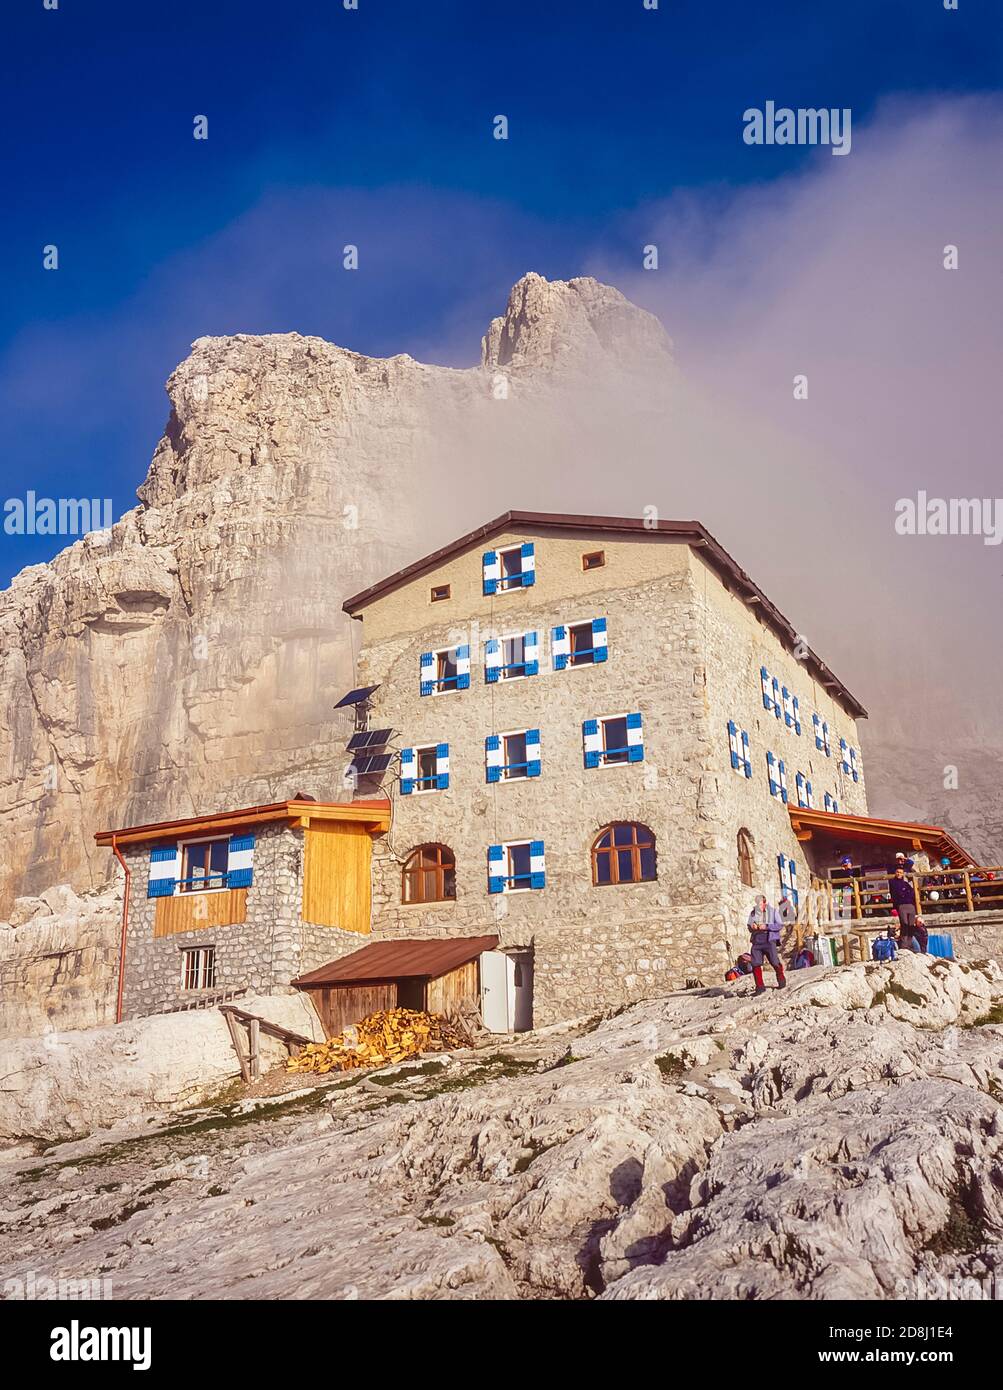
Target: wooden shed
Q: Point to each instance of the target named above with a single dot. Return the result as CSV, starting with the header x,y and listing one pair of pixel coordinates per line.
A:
x,y
432,975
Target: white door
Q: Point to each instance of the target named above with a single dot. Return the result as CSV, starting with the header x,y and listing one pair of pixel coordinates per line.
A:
x,y
497,991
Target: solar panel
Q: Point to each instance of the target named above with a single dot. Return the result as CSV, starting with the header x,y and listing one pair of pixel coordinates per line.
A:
x,y
355,697
374,762
369,738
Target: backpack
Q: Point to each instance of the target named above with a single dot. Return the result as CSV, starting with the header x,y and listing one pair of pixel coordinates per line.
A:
x,y
804,959
883,948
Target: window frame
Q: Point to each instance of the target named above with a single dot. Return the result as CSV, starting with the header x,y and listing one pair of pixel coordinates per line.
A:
x,y
438,687
591,555
602,721
577,665
419,749
503,667
184,846
515,581
439,869
440,592
524,775
204,956
613,850
508,846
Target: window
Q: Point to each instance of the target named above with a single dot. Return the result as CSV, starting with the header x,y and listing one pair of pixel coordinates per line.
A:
x,y
512,756
579,644
510,658
615,738
738,747
771,692
448,669
198,968
511,568
746,871
440,592
204,865
516,866
821,729
593,560
623,853
424,769
776,770
429,876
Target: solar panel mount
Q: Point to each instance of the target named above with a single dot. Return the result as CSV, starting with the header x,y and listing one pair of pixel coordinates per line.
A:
x,y
356,697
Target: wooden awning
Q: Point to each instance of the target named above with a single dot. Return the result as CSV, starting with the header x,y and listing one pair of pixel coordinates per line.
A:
x,y
399,960
373,814
904,835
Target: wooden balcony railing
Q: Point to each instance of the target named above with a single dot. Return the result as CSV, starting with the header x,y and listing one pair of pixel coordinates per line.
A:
x,y
846,897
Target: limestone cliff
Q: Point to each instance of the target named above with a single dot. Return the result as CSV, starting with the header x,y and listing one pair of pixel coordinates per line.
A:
x,y
189,658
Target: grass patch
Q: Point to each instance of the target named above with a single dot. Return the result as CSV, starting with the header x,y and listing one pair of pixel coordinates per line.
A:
x,y
432,1220
671,1066
995,1015
391,1079
964,1231
565,1060
105,1223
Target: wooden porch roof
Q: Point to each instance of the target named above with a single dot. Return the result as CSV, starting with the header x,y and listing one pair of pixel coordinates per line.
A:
x,y
373,814
400,959
896,834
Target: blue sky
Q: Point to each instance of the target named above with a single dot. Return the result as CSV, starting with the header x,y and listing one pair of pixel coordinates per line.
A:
x,y
373,126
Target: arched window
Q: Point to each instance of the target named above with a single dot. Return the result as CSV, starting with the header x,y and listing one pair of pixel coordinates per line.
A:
x,y
623,852
429,875
746,870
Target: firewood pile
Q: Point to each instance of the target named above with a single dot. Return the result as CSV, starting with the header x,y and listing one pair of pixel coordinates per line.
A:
x,y
391,1035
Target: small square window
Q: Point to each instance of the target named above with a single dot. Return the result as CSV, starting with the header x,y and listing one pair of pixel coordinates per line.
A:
x,y
204,866
198,968
511,568
593,559
440,592
426,769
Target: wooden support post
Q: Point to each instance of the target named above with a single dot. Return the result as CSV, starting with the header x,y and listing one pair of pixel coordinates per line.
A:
x,y
968,891
915,893
856,897
237,1038
254,1029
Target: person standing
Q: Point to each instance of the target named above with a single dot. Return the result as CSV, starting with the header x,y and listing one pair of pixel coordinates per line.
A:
x,y
904,902
765,924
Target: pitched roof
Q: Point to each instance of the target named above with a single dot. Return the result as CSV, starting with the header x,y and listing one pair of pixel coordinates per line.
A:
x,y
374,813
898,833
398,960
691,533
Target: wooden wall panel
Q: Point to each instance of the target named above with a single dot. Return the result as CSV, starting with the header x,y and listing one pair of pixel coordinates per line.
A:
x,y
339,1006
195,911
447,991
337,891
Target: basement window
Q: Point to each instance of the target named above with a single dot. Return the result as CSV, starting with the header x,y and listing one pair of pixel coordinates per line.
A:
x,y
440,592
198,968
593,559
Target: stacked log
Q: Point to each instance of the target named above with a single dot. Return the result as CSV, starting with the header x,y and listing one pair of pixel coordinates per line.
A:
x,y
390,1035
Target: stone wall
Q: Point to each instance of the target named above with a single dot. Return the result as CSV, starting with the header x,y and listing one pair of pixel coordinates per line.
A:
x,y
682,651
262,954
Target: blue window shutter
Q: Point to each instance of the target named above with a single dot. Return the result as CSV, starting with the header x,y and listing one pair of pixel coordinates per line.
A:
x,y
783,781
537,878
559,647
746,760
240,861
635,745
441,757
590,731
733,744
492,744
528,555
463,676
491,571
496,868
771,772
164,877
407,771
533,763
802,795
492,659
531,641
600,650
776,697
797,716
427,673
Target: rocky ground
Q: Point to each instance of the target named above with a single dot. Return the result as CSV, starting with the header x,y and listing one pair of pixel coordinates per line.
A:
x,y
843,1139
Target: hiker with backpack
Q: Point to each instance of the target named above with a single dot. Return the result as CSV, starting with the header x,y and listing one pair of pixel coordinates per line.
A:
x,y
765,925
904,903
